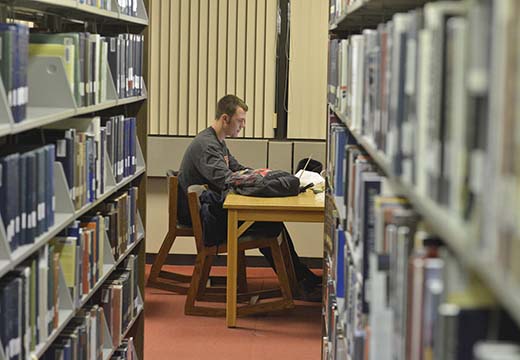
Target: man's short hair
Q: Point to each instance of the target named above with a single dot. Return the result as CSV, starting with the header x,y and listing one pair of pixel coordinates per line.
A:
x,y
228,105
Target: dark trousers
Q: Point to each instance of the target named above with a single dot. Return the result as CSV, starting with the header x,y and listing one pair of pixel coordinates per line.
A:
x,y
274,229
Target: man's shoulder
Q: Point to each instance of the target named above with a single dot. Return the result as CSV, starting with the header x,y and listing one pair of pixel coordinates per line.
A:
x,y
206,138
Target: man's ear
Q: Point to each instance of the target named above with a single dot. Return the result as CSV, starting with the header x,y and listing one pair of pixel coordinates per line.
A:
x,y
226,118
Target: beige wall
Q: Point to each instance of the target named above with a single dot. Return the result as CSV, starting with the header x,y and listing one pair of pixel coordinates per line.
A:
x,y
307,102
166,152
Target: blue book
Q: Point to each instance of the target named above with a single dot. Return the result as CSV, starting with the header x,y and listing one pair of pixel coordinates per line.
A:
x,y
133,145
91,168
32,196
9,207
41,174
12,297
102,152
23,199
2,196
340,134
17,78
340,263
50,200
3,320
23,91
126,149
8,39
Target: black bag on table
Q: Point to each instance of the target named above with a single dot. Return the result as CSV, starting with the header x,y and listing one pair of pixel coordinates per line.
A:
x,y
264,183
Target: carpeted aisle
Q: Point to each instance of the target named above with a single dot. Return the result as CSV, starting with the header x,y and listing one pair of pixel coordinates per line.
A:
x,y
169,334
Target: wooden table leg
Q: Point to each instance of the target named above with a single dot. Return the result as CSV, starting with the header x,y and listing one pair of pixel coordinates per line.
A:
x,y
232,247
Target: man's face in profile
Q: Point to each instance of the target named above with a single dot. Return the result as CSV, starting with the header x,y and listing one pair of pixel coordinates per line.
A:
x,y
236,123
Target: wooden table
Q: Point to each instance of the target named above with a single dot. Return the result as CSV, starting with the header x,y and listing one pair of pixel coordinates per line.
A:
x,y
306,207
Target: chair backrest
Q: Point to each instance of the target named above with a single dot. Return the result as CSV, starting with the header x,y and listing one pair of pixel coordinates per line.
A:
x,y
173,183
194,192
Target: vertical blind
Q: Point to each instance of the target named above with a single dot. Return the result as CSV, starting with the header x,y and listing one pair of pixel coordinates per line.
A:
x,y
202,50
307,102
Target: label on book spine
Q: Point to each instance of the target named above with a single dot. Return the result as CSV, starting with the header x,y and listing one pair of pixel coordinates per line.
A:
x,y
10,231
61,148
17,224
15,346
41,211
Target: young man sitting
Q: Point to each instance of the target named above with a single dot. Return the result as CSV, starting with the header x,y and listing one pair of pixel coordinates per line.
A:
x,y
207,160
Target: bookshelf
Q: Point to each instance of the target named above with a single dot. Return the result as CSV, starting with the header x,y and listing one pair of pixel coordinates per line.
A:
x,y
364,14
418,188
51,101
457,234
76,9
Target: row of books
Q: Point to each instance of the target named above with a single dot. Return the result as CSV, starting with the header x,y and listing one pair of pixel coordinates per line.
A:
x,y
29,304
394,291
86,57
126,7
81,246
435,90
122,215
82,145
14,47
84,337
120,299
100,4
338,8
27,206
125,351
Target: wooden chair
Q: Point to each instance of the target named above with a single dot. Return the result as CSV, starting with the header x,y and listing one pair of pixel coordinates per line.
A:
x,y
169,280
203,266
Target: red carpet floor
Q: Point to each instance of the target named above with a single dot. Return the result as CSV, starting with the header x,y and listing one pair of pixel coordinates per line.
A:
x,y
169,334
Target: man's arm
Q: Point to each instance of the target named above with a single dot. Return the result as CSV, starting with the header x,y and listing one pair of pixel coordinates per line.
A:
x,y
213,167
234,165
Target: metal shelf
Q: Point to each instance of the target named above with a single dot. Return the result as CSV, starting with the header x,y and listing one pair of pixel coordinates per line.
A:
x,y
68,315
106,274
365,14
109,192
23,252
61,222
130,100
73,9
459,235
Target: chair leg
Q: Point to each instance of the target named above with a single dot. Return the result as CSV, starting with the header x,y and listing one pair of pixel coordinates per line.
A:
x,y
206,269
286,255
195,283
242,274
161,256
281,271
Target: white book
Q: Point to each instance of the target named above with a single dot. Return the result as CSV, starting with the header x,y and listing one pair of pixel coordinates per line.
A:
x,y
344,66
423,103
455,149
357,80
